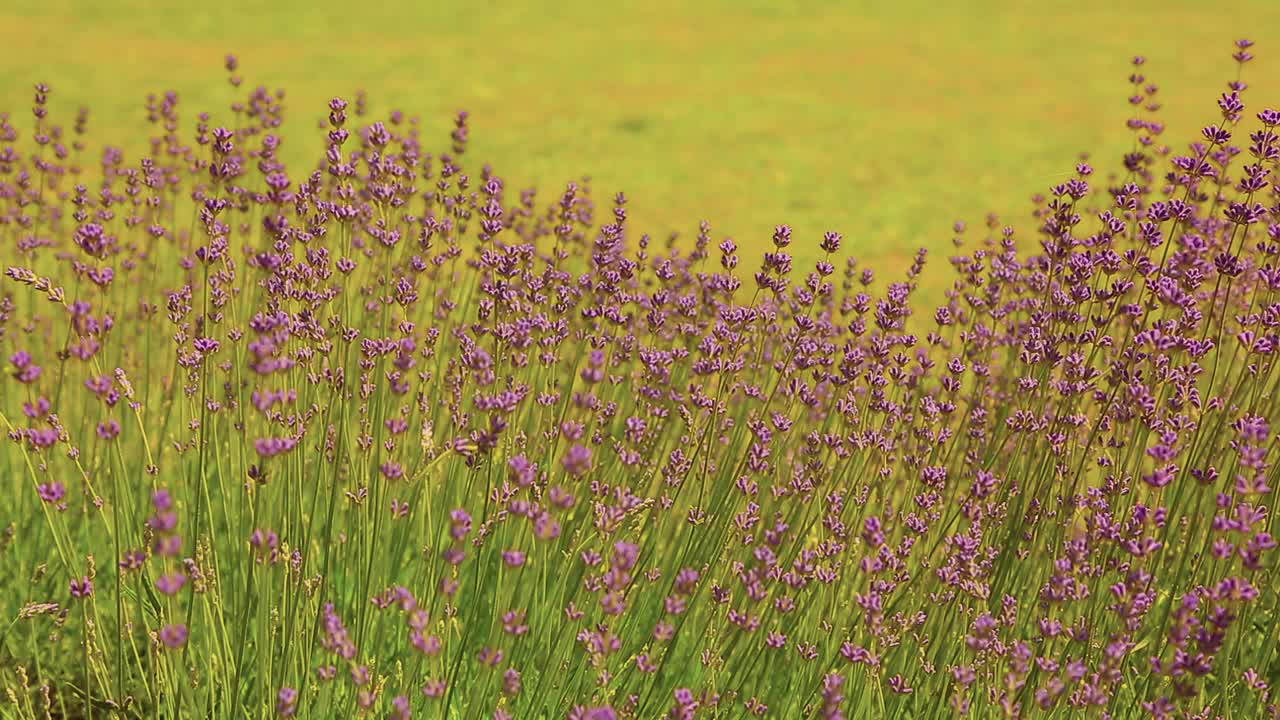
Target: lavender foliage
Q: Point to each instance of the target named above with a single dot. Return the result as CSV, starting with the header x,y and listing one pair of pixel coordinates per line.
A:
x,y
386,437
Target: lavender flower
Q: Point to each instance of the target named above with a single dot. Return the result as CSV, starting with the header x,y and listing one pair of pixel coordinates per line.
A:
x,y
626,478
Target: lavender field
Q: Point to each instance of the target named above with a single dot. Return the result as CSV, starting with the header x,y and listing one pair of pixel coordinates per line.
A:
x,y
384,436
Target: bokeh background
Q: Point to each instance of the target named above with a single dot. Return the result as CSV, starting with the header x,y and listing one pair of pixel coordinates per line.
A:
x,y
885,121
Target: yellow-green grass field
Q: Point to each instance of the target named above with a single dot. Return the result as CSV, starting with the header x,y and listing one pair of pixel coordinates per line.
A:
x,y
883,120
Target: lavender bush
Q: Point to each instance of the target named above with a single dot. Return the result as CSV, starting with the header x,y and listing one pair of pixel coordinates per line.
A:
x,y
388,438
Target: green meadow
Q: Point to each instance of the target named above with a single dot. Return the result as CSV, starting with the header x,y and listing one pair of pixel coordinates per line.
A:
x,y
882,120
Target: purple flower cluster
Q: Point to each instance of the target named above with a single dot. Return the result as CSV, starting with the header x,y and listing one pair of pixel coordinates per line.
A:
x,y
628,481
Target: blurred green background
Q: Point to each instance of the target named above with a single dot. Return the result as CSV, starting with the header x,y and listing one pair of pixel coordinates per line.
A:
x,y
885,120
